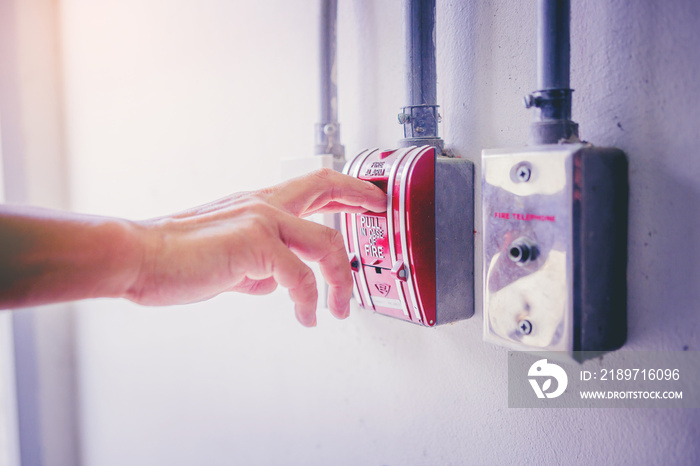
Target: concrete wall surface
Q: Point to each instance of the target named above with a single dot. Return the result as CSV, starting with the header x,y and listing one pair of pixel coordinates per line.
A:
x,y
173,103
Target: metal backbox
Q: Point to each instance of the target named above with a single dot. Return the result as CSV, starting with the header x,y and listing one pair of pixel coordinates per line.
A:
x,y
555,247
415,261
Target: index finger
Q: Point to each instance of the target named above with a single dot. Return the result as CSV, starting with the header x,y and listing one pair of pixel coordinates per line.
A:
x,y
328,191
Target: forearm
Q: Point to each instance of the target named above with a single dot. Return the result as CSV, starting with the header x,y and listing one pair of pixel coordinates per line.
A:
x,y
50,256
248,242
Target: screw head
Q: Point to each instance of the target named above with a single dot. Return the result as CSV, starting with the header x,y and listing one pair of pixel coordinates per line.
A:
x,y
329,129
525,327
523,173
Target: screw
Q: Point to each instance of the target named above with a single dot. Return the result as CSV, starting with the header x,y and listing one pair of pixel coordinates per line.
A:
x,y
523,173
530,101
330,129
525,327
439,118
404,118
401,273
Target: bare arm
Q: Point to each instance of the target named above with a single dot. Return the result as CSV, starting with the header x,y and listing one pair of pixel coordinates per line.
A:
x,y
248,242
50,256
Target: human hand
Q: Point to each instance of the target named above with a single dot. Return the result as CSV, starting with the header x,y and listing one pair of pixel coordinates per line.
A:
x,y
251,242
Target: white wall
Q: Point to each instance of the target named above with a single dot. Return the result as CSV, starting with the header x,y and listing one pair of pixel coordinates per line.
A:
x,y
172,103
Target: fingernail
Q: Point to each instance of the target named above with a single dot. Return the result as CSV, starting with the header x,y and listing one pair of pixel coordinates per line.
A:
x,y
307,320
346,311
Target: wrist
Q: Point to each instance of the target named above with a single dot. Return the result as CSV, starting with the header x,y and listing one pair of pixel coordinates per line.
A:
x,y
145,243
123,258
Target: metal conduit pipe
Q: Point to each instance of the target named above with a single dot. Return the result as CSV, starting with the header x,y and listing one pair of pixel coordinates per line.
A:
x,y
553,98
553,44
420,117
328,129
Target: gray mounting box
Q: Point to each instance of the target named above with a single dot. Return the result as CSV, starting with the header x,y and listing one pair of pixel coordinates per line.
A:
x,y
454,239
555,247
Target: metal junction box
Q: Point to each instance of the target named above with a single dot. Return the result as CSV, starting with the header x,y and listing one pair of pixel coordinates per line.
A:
x,y
555,247
415,261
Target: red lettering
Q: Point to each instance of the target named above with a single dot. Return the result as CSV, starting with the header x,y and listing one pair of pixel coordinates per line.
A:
x,y
524,217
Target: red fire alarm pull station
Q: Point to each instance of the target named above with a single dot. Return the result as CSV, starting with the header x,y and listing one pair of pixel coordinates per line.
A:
x,y
415,261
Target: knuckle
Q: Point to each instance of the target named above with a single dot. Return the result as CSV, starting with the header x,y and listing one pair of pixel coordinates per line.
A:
x,y
335,239
323,178
255,229
255,203
307,279
306,290
323,173
257,222
261,198
264,192
258,212
263,287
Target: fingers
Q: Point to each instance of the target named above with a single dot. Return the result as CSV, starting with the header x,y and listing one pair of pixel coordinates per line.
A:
x,y
333,207
329,191
290,272
324,245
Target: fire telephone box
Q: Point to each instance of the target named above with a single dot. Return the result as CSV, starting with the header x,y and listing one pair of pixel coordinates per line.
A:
x,y
555,247
415,261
